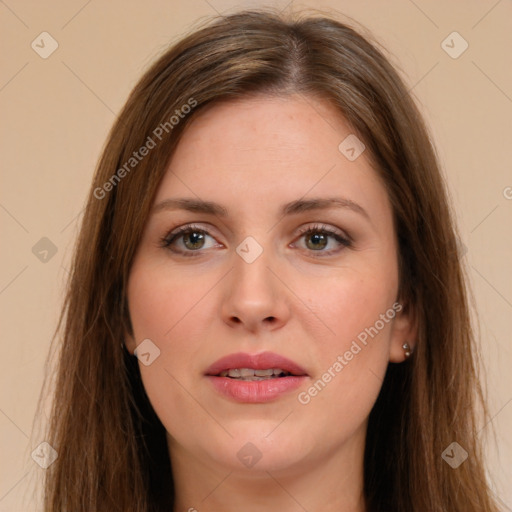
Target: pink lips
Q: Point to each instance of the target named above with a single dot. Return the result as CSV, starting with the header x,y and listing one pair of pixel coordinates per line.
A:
x,y
260,361
255,391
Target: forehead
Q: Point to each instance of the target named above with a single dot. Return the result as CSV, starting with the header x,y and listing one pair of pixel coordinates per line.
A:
x,y
287,127
265,151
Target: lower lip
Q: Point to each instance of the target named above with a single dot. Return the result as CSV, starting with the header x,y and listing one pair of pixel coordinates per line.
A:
x,y
256,391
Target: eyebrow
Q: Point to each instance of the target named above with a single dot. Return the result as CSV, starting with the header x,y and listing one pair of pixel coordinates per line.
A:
x,y
292,208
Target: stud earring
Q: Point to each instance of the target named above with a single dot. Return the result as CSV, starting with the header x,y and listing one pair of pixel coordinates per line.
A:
x,y
407,349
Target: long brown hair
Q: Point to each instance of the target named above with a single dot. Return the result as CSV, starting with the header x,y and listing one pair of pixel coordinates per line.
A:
x,y
112,451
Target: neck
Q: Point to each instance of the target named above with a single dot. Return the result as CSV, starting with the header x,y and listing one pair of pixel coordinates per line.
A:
x,y
333,483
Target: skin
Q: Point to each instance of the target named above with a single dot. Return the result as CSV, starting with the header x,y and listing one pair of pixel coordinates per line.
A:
x,y
252,156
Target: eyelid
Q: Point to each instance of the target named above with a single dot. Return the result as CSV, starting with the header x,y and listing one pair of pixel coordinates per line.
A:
x,y
167,240
341,238
319,226
188,227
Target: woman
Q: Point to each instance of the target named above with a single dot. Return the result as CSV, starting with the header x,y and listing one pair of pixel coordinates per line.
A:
x,y
267,308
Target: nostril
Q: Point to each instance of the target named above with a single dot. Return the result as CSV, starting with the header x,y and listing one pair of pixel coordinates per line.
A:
x,y
268,320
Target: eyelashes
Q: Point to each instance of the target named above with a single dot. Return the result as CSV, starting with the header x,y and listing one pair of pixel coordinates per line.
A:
x,y
192,240
321,233
183,234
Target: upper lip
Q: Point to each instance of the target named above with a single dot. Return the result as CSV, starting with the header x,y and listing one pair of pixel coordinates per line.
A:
x,y
262,361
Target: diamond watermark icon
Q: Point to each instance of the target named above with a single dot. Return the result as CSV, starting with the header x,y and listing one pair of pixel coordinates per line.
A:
x,y
454,45
44,250
44,455
454,455
351,147
461,248
249,250
249,455
146,352
44,45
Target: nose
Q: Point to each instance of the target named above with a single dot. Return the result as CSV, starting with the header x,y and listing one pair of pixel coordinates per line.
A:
x,y
255,298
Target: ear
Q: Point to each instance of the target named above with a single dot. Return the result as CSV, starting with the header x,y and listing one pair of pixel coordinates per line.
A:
x,y
404,330
129,343
129,339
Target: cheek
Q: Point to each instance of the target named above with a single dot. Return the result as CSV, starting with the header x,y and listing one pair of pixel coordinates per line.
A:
x,y
168,309
357,308
165,307
352,367
349,302
159,300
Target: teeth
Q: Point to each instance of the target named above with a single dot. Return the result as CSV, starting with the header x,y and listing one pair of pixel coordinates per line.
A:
x,y
252,374
264,373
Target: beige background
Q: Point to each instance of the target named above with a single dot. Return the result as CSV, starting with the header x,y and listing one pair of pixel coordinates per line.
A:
x,y
56,113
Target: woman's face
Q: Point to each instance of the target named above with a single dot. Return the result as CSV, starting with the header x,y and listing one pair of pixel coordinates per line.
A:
x,y
287,261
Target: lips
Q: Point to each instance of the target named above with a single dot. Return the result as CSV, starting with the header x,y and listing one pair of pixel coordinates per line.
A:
x,y
255,379
262,361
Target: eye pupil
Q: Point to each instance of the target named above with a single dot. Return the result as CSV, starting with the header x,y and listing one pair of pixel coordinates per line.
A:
x,y
192,240
317,237
196,239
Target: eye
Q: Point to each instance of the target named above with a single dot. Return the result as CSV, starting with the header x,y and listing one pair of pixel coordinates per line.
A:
x,y
319,237
188,240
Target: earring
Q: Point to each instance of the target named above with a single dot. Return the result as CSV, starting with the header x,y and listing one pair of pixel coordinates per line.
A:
x,y
407,349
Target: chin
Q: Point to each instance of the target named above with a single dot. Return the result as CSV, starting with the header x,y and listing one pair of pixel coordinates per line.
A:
x,y
251,452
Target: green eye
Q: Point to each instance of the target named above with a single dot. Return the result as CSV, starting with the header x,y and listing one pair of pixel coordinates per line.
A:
x,y
317,241
194,238
318,237
191,240
187,240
